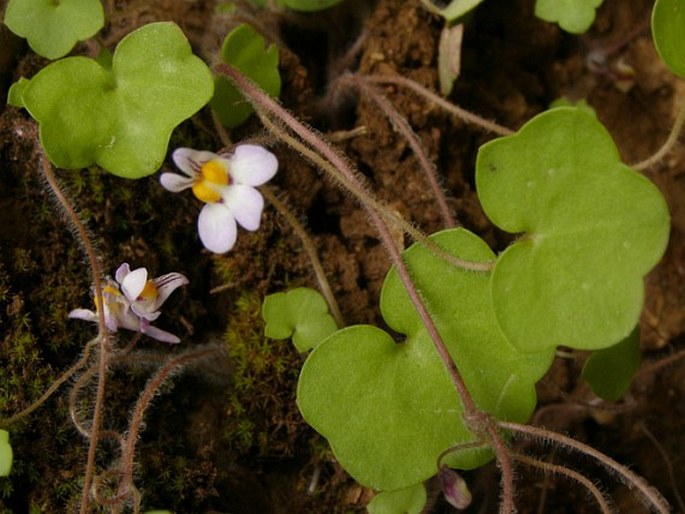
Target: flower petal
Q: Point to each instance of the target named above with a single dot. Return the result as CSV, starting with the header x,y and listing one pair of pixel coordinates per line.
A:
x,y
127,319
86,314
112,321
252,165
161,335
188,160
145,313
166,284
246,204
134,283
217,228
175,182
121,272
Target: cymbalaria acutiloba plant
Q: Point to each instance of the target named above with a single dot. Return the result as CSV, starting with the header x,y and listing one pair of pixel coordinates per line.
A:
x,y
447,377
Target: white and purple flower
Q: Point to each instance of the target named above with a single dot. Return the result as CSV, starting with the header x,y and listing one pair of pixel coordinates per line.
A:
x,y
132,301
227,185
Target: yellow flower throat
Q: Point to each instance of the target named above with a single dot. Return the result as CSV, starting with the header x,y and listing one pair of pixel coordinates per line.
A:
x,y
149,292
214,173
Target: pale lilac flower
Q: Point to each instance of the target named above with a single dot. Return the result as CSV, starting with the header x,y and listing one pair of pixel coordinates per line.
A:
x,y
227,185
132,302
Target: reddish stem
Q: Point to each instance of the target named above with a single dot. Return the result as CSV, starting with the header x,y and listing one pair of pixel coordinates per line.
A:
x,y
401,124
472,415
626,475
84,239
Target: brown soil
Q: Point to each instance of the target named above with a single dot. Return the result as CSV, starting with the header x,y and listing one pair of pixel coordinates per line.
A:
x,y
226,436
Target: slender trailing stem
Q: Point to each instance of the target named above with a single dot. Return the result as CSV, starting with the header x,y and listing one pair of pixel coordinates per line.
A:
x,y
653,367
82,233
85,377
667,462
668,145
309,247
221,131
463,114
365,198
473,417
53,387
631,479
454,449
402,126
299,230
102,337
548,467
151,388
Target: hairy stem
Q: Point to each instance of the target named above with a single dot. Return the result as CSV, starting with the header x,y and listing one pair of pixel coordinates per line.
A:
x,y
667,461
85,377
472,415
651,495
460,113
365,198
401,124
309,247
668,145
151,388
102,329
299,230
548,467
652,367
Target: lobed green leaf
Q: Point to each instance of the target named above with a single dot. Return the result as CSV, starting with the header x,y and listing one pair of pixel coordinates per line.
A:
x,y
453,10
246,51
53,28
300,313
410,500
389,408
573,16
591,229
668,31
16,93
119,118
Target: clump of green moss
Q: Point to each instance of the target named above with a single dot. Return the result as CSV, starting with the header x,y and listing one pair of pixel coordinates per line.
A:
x,y
24,376
262,410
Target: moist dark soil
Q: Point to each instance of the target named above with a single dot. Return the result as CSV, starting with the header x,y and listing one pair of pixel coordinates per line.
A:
x,y
225,435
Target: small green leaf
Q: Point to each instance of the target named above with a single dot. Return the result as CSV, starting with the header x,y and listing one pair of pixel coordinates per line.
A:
x,y
592,228
410,500
299,5
309,5
574,16
580,104
16,93
668,31
6,454
245,50
119,118
51,27
300,313
228,7
453,10
389,409
610,371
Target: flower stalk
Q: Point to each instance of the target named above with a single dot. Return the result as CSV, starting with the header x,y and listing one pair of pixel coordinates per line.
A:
x,y
474,418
